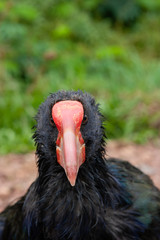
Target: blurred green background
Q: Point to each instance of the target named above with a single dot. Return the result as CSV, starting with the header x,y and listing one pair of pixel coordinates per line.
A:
x,y
110,48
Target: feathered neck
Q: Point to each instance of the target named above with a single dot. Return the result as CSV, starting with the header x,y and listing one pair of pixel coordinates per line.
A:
x,y
66,212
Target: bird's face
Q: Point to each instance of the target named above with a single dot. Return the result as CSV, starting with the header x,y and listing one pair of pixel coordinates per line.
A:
x,y
69,133
70,147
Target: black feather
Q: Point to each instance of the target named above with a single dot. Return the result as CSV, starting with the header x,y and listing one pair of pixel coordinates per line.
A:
x,y
111,200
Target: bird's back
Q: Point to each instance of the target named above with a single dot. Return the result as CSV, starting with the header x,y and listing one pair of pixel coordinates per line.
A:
x,y
145,196
79,212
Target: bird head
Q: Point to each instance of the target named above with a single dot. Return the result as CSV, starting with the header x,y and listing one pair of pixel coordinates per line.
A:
x,y
69,132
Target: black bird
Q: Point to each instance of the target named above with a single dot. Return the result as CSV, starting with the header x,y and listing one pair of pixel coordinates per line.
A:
x,y
78,194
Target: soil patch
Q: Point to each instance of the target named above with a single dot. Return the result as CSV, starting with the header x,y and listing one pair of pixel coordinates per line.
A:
x,y
17,172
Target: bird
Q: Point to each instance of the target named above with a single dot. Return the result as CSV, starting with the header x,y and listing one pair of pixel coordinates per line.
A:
x,y
79,193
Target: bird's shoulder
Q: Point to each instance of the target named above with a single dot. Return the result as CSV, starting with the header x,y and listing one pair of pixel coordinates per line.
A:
x,y
144,195
10,221
2,223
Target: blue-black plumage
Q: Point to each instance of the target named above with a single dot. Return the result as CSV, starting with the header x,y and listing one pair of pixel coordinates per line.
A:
x,y
109,199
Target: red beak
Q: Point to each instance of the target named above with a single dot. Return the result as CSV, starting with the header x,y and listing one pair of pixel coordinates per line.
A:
x,y
70,150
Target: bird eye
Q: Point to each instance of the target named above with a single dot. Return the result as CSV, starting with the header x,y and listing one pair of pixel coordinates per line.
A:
x,y
52,122
85,119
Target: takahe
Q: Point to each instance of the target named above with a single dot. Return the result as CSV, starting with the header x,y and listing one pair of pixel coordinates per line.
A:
x,y
79,194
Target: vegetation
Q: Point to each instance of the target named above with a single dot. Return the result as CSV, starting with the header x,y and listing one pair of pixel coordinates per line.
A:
x,y
109,48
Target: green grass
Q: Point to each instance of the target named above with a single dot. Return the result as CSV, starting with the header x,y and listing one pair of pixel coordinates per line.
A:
x,y
129,97
41,53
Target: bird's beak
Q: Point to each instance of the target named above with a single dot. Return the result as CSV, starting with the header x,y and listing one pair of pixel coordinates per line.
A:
x,y
70,147
70,151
